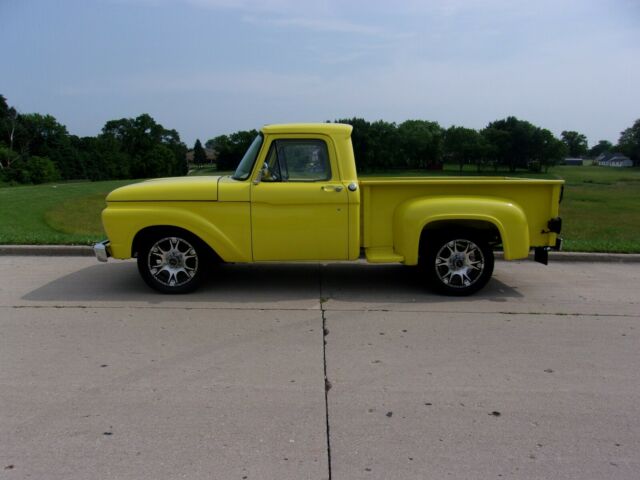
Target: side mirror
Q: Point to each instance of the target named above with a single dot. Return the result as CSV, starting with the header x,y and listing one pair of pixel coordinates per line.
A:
x,y
261,173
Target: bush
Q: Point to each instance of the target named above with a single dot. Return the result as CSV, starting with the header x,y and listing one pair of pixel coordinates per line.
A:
x,y
32,170
534,166
42,170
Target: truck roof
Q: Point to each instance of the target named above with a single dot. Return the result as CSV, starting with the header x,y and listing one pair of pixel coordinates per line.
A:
x,y
339,129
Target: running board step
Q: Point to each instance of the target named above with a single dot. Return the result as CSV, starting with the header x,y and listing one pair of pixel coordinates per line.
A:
x,y
382,255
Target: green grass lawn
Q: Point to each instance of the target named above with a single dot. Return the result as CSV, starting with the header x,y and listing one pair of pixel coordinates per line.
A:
x,y
206,170
601,208
54,213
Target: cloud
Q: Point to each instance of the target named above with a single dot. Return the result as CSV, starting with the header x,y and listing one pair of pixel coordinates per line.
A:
x,y
317,24
329,25
253,83
272,6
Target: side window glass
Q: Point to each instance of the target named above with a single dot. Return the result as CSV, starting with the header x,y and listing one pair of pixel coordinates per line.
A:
x,y
303,160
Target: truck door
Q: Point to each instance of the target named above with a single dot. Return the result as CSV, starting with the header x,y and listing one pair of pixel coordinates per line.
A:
x,y
299,208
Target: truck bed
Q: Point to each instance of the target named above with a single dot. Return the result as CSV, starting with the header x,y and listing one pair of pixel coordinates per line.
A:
x,y
381,197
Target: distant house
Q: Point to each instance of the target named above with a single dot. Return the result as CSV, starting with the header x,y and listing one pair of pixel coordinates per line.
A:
x,y
578,162
211,154
614,160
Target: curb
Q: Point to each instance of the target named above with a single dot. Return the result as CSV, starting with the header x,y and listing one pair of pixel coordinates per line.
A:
x,y
47,250
576,257
87,251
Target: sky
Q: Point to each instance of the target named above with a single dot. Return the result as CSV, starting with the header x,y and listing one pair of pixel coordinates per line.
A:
x,y
211,67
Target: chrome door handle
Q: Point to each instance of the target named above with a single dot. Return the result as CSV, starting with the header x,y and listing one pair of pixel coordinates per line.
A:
x,y
332,188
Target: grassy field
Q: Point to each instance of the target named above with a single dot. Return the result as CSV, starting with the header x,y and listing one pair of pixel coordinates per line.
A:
x,y
206,170
601,208
60,213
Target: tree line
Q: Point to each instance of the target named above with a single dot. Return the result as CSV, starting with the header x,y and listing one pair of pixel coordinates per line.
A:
x,y
507,144
36,148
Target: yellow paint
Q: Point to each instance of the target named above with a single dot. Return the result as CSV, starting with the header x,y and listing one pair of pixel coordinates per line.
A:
x,y
394,211
253,220
166,189
223,226
412,216
299,220
382,255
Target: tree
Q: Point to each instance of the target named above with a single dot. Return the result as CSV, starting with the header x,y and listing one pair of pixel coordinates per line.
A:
x,y
511,142
463,145
199,155
7,157
384,140
603,146
37,134
519,144
547,150
421,144
376,145
231,148
361,141
137,137
103,158
576,143
629,142
8,121
35,148
225,156
43,136
42,170
32,170
157,162
499,142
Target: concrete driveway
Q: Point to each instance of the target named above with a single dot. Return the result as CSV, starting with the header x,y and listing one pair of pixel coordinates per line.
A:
x,y
341,371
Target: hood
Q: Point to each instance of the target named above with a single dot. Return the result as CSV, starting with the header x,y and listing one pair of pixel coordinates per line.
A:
x,y
187,189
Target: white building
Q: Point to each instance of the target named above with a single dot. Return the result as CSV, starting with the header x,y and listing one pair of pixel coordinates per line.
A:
x,y
613,160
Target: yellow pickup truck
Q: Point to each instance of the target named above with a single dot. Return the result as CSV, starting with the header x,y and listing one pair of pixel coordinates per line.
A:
x,y
296,196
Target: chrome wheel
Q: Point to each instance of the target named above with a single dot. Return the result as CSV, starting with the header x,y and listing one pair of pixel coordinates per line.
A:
x,y
172,261
459,263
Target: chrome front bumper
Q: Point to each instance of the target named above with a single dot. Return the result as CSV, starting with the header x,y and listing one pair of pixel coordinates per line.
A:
x,y
102,251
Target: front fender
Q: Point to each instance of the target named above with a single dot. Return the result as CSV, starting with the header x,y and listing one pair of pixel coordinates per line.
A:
x,y
229,236
412,216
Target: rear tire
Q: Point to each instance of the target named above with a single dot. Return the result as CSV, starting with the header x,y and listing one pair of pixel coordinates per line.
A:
x,y
172,261
457,263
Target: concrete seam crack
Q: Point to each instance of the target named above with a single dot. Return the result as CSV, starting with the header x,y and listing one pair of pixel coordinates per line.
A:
x,y
327,383
464,312
150,307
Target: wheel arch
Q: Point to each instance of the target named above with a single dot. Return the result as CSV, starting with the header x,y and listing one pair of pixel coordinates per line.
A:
x,y
497,218
486,230
152,230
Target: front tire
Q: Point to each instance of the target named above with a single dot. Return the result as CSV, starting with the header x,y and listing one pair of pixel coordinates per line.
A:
x,y
458,264
172,262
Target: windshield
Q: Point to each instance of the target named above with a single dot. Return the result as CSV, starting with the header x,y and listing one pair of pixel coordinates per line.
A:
x,y
246,164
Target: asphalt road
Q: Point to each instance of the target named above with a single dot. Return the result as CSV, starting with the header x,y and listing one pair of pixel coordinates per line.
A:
x,y
536,377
